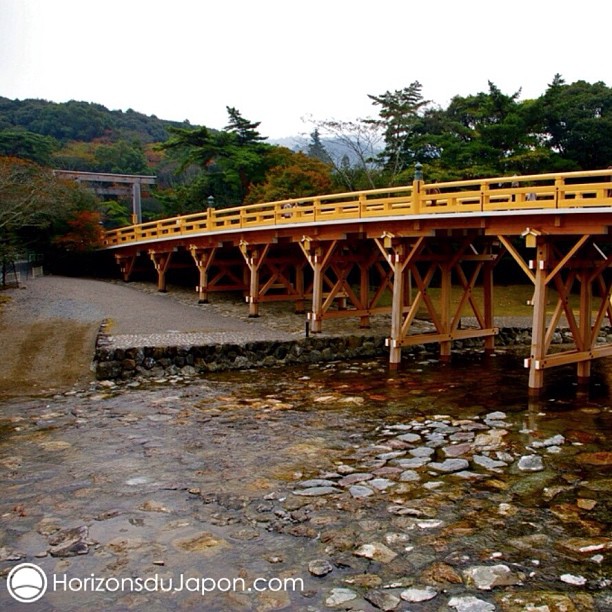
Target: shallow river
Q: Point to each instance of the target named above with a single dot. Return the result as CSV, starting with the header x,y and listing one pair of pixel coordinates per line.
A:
x,y
336,486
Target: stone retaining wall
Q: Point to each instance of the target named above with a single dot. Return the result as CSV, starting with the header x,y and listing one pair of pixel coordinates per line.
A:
x,y
114,363
125,363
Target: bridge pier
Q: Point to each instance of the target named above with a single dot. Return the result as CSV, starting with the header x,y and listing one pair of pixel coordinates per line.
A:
x,y
583,368
254,257
203,258
538,327
445,309
487,289
161,261
318,256
126,264
562,266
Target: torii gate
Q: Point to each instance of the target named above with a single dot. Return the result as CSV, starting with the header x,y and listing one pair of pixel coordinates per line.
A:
x,y
120,186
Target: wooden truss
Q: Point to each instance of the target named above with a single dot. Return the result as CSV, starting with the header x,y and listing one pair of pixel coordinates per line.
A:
x,y
561,267
335,265
278,278
421,258
216,273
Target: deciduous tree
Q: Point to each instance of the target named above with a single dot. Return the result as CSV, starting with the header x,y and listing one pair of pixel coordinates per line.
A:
x,y
292,175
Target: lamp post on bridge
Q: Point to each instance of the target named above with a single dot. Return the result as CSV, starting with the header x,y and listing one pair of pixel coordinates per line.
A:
x,y
418,171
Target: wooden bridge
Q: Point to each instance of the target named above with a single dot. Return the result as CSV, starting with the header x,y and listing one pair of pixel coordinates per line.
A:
x,y
345,253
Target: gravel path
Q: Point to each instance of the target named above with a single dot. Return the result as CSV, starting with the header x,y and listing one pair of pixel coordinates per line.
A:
x,y
48,328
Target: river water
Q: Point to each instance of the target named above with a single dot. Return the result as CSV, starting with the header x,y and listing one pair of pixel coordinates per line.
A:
x,y
336,486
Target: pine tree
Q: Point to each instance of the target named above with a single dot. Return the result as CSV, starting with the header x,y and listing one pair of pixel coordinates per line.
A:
x,y
399,115
316,148
245,130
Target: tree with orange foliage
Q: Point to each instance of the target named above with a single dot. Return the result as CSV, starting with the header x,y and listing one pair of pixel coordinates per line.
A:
x,y
85,232
292,175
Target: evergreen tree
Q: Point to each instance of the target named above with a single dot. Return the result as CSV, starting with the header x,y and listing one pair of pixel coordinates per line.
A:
x,y
21,143
316,149
245,130
399,114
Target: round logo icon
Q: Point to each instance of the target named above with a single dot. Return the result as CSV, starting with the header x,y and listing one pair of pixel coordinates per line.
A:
x,y
26,583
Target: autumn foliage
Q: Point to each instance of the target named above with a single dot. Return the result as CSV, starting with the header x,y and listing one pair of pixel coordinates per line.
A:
x,y
85,233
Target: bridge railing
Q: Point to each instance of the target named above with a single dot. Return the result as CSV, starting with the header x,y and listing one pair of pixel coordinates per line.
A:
x,y
540,191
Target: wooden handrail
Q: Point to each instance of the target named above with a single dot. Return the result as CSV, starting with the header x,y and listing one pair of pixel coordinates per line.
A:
x,y
505,193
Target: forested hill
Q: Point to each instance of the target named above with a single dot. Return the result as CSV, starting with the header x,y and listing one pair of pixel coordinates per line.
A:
x,y
82,121
82,136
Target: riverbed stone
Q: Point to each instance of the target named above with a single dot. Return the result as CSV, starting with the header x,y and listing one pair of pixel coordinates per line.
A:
x,y
456,450
488,463
203,542
8,554
421,451
498,415
390,455
586,546
409,476
486,577
418,594
414,462
383,600
358,491
70,542
381,484
153,506
469,603
439,573
376,551
320,567
573,579
355,478
364,581
340,596
556,440
316,491
490,440
449,465
531,463
316,482
411,438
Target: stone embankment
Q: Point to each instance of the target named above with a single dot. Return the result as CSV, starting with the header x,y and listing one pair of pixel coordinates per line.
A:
x,y
154,361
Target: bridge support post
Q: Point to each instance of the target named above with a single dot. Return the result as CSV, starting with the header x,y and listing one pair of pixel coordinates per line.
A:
x,y
487,288
364,293
318,258
397,310
399,256
538,333
161,261
316,314
126,265
586,332
445,310
253,257
203,259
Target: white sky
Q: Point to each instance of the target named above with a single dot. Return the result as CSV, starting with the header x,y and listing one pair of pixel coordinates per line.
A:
x,y
277,61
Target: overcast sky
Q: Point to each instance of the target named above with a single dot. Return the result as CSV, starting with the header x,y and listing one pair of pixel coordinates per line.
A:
x,y
278,61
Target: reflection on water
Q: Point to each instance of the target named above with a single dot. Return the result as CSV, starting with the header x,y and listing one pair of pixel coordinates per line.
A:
x,y
442,486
